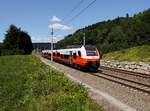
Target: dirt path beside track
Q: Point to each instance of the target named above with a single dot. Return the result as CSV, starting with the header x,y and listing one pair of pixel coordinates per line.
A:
x,y
111,96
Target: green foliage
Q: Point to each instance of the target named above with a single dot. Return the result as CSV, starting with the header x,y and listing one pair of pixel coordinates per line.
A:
x,y
0,49
26,84
113,35
139,53
16,42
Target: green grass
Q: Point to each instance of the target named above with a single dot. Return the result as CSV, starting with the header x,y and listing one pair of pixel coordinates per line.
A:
x,y
139,53
26,84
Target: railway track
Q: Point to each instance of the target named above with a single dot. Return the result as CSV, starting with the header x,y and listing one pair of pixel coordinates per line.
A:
x,y
124,82
142,75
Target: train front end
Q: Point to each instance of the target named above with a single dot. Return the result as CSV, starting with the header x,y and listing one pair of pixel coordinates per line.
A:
x,y
92,56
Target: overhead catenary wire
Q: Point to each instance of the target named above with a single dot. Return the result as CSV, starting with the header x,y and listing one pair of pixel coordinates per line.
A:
x,y
78,14
73,9
78,4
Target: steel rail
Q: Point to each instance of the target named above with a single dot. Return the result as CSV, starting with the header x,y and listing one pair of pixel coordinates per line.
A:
x,y
124,82
147,76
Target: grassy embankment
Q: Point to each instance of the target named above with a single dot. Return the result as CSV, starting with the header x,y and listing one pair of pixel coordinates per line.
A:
x,y
26,84
140,53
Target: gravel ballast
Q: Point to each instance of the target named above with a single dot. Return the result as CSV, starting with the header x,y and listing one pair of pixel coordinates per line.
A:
x,y
141,67
112,96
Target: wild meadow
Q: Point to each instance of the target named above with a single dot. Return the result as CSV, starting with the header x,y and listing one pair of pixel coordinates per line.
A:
x,y
26,84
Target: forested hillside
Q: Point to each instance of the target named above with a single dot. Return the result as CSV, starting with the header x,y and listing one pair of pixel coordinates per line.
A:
x,y
113,35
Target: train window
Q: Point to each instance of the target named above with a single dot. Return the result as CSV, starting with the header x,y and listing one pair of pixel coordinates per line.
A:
x,y
79,53
61,56
70,54
74,55
91,53
58,54
66,56
49,54
90,50
53,54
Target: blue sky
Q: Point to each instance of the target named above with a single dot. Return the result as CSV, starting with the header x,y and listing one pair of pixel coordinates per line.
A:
x,y
34,16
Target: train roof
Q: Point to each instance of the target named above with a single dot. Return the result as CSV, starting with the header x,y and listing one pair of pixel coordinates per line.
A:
x,y
73,46
79,46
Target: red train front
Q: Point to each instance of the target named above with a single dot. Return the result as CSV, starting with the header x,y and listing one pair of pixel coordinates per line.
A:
x,y
83,57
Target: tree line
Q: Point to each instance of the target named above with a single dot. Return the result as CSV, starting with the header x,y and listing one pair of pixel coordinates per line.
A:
x,y
113,35
16,41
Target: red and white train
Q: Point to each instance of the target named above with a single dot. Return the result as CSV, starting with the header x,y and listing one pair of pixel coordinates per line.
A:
x,y
83,57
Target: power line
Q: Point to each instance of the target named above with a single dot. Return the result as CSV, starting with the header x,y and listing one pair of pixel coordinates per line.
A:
x,y
71,11
91,3
78,14
76,6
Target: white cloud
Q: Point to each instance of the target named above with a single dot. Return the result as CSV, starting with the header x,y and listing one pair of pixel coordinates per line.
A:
x,y
46,39
55,19
40,39
59,26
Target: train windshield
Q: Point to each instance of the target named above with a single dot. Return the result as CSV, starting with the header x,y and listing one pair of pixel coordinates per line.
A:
x,y
90,50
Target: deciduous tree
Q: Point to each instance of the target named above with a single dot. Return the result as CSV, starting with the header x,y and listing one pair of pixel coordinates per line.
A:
x,y
17,41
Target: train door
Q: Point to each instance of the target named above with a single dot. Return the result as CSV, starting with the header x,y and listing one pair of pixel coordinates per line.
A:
x,y
70,57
